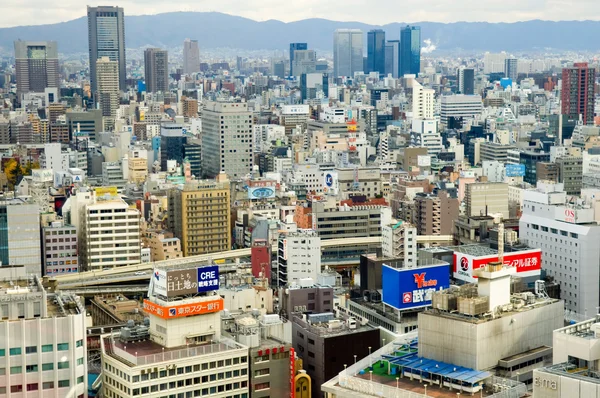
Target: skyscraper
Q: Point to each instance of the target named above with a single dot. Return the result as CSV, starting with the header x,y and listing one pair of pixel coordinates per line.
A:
x,y
392,57
226,139
465,81
191,57
510,69
410,50
578,92
376,51
156,65
347,52
106,36
107,94
36,64
305,61
294,47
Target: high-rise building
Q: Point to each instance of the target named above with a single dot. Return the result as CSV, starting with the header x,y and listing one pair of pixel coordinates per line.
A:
x,y
493,63
226,139
392,58
106,37
568,236
422,101
107,96
347,52
434,214
191,56
43,342
293,48
465,81
486,198
376,51
60,249
510,69
299,257
199,215
578,92
305,61
570,173
20,235
156,64
410,50
454,107
36,65
399,240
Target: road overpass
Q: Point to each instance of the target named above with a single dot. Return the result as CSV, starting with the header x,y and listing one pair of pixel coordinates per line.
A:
x,y
140,273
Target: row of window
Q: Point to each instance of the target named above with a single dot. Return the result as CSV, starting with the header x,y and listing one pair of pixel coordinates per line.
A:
x,y
48,385
15,370
34,349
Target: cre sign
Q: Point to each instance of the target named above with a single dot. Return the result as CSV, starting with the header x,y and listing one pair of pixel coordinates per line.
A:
x,y
527,263
181,282
410,288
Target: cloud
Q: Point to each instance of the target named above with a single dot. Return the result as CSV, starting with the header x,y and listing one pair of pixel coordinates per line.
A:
x,y
429,47
378,12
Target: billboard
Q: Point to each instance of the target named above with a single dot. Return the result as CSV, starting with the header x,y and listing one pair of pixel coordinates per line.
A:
x,y
330,181
411,288
527,262
423,160
183,310
42,175
515,170
181,282
110,191
261,192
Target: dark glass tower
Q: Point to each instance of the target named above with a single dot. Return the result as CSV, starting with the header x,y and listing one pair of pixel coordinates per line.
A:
x,y
294,47
410,50
376,51
106,36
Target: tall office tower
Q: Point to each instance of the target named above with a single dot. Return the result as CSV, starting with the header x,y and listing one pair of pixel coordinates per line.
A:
x,y
43,344
305,61
107,96
106,37
410,50
376,51
578,92
226,139
20,235
422,101
156,64
466,81
208,230
36,64
459,107
191,57
109,231
510,69
347,52
299,257
295,47
493,62
392,58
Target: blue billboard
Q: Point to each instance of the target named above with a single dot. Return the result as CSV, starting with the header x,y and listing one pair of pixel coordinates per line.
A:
x,y
515,170
410,288
208,278
261,192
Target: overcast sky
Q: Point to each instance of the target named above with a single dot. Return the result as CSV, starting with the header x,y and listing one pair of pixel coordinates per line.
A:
x,y
377,12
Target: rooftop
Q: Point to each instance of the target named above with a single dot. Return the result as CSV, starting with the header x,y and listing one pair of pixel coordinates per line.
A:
x,y
147,352
336,327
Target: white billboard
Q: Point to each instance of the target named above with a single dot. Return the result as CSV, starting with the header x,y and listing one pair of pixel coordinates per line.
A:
x,y
42,175
423,160
159,278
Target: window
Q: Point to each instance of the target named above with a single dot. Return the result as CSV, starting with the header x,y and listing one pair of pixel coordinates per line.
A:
x,y
32,387
62,347
47,366
31,368
2,352
47,385
80,361
63,383
15,351
30,350
15,370
63,365
262,386
18,388
79,343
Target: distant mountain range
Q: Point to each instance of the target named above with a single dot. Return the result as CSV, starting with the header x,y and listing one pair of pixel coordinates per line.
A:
x,y
217,30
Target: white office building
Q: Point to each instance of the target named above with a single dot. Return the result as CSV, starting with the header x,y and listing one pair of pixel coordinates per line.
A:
x,y
422,101
298,257
425,134
42,340
569,238
460,106
399,240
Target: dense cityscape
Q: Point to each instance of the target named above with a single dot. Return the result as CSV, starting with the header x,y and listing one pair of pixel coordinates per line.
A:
x,y
376,217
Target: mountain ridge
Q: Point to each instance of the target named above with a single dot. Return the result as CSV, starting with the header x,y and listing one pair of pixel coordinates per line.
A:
x,y
219,30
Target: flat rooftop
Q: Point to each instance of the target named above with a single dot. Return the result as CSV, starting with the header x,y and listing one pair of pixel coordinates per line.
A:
x,y
148,352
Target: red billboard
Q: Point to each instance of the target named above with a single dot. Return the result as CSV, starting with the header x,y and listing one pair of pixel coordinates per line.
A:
x,y
527,262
